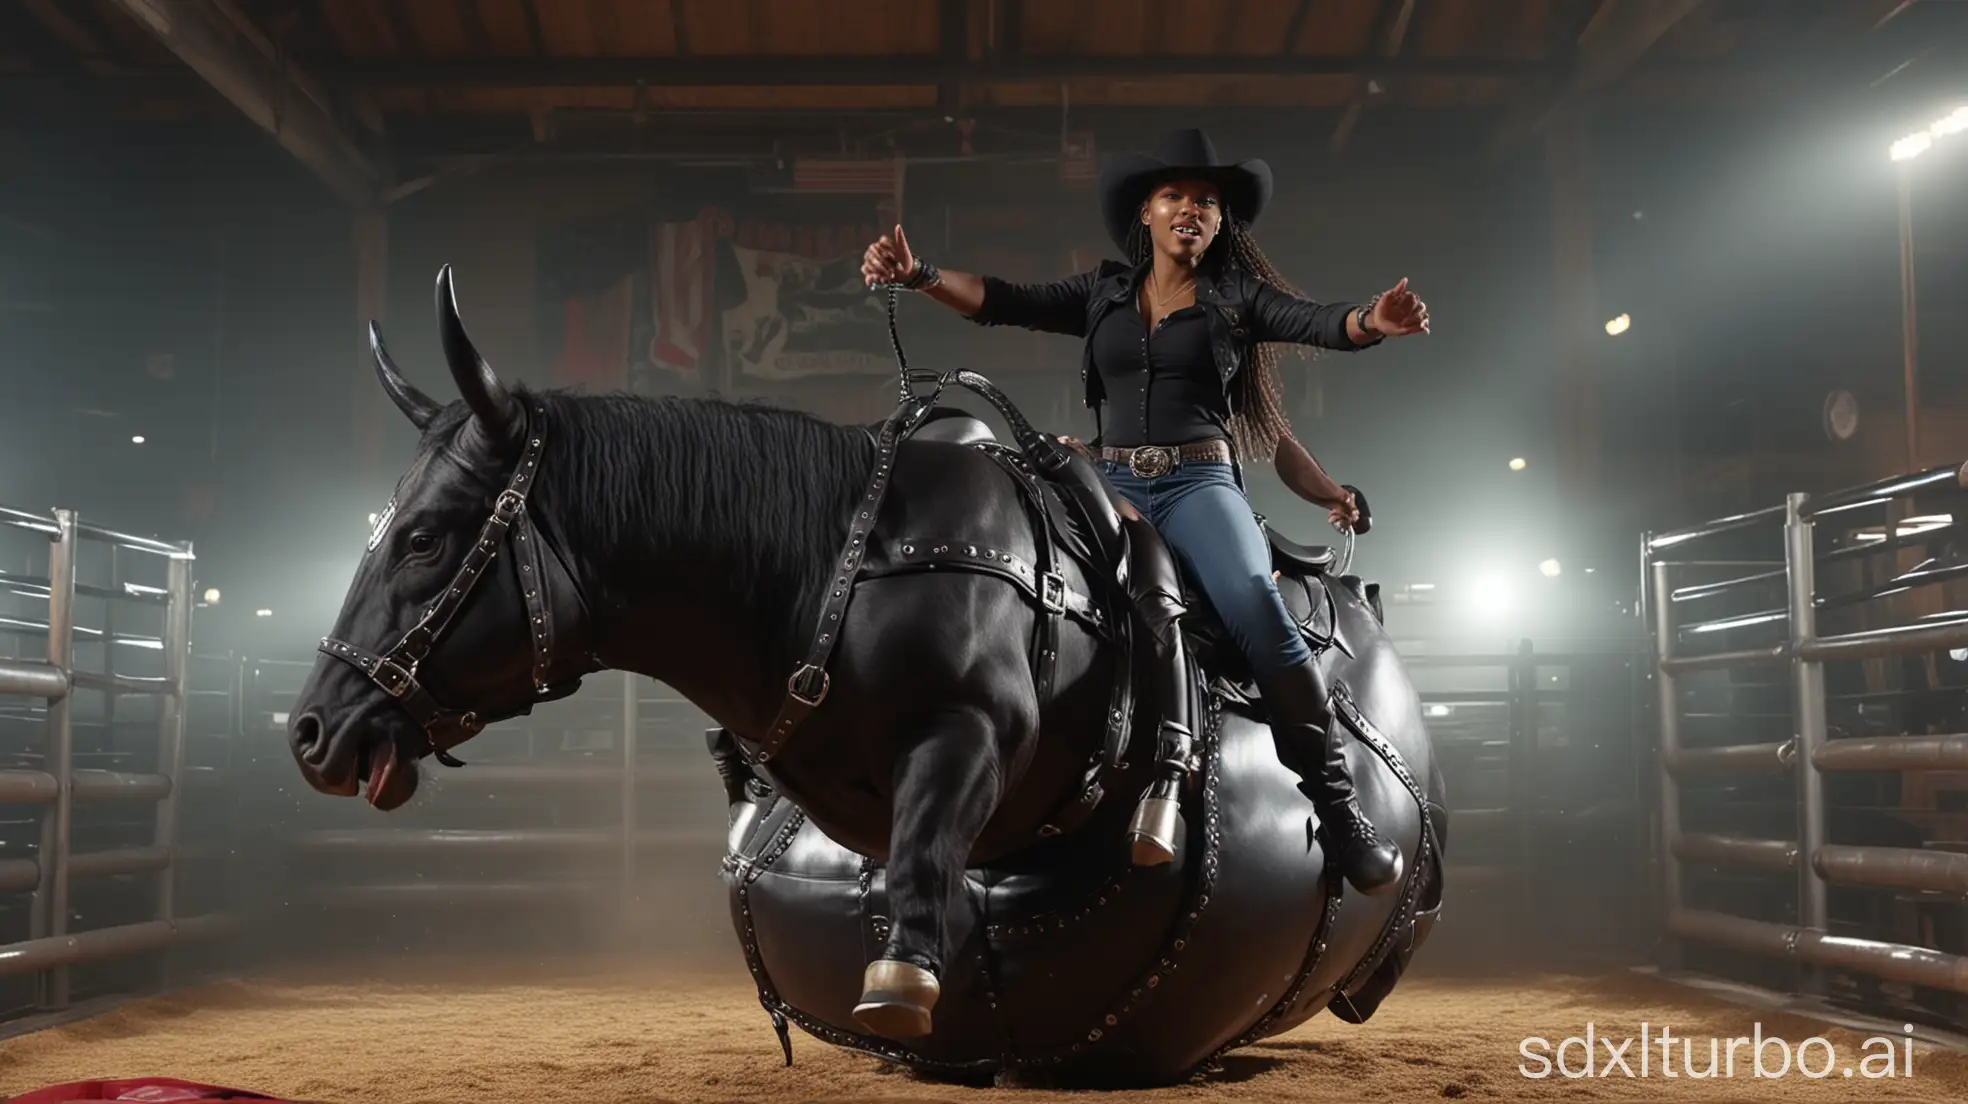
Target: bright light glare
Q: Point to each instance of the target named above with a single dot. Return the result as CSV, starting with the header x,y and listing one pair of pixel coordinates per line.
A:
x,y
212,596
1516,463
137,440
263,613
1911,146
1953,123
1619,325
372,521
1438,710
1492,597
1421,586
1922,524
1550,568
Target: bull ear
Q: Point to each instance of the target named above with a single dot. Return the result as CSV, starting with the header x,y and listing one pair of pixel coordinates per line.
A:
x,y
496,411
415,405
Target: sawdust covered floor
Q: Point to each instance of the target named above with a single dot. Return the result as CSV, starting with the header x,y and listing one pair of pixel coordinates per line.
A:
x,y
613,1033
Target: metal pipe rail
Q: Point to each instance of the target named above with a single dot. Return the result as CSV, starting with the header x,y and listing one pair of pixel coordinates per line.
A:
x,y
1776,758
1809,754
364,841
1890,961
59,786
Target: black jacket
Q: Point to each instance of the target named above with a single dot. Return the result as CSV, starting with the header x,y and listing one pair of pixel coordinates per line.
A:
x,y
1243,310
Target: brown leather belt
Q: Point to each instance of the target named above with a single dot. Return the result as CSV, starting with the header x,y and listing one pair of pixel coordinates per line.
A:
x,y
1149,461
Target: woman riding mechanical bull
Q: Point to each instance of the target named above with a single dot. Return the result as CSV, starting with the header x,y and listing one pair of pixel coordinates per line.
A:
x,y
1191,376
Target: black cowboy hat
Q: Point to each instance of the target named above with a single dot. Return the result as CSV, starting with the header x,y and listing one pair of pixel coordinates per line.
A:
x,y
1181,155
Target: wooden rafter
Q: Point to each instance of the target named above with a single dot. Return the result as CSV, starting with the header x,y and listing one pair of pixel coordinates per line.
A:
x,y
534,34
1618,35
679,29
1392,19
217,41
902,69
1296,29
953,37
1227,24
472,18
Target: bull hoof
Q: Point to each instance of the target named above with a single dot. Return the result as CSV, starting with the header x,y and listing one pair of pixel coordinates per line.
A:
x,y
896,998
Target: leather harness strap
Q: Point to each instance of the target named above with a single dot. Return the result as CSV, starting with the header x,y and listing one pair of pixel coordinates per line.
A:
x,y
807,686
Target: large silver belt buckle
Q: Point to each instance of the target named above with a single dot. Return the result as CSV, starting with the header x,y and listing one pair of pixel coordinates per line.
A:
x,y
1149,461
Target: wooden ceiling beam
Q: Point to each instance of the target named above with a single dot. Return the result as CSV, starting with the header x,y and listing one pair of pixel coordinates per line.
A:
x,y
208,37
679,29
1296,29
1617,36
953,39
30,39
534,34
1011,41
907,69
1388,37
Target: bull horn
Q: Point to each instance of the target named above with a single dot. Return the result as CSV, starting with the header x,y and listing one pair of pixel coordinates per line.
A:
x,y
497,413
415,405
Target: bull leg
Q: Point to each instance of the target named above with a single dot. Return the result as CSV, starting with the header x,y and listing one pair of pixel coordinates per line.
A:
x,y
946,788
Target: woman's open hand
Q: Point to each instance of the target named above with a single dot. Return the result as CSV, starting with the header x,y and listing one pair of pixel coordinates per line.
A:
x,y
888,260
1398,312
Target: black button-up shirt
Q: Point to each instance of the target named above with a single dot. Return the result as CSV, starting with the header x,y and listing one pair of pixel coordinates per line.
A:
x,y
1162,387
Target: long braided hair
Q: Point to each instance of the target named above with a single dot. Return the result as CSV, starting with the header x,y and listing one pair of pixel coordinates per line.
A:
x,y
1257,400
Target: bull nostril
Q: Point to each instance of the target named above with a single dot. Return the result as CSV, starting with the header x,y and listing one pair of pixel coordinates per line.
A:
x,y
306,737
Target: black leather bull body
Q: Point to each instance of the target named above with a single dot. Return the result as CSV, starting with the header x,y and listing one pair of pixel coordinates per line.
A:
x,y
922,654
1069,959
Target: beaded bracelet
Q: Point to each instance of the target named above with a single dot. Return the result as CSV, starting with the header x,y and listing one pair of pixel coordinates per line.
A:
x,y
926,275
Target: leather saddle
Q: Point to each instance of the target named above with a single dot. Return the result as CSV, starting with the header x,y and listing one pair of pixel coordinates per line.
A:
x,y
1302,568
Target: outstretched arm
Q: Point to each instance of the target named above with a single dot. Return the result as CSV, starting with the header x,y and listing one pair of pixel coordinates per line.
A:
x,y
1278,315
1056,307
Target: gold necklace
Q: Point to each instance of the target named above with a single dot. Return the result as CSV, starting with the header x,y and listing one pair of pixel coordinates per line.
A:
x,y
1162,300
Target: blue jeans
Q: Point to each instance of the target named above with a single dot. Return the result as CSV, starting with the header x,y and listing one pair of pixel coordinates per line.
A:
x,y
1208,524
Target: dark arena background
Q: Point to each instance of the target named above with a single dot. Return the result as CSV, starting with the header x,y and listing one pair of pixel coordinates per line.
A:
x,y
1667,516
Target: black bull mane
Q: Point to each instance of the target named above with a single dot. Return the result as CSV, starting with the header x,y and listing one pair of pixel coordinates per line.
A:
x,y
700,539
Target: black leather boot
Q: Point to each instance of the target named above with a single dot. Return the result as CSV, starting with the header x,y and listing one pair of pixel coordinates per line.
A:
x,y
1156,590
1302,721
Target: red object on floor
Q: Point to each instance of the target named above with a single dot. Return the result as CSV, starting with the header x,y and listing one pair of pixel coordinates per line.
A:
x,y
140,1090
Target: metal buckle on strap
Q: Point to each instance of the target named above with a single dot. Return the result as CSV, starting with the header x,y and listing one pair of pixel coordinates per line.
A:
x,y
1149,461
508,505
396,680
1052,592
804,677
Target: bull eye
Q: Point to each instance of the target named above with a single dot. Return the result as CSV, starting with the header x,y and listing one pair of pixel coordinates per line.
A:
x,y
422,544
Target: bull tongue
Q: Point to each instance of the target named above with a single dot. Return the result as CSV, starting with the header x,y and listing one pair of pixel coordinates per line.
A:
x,y
381,771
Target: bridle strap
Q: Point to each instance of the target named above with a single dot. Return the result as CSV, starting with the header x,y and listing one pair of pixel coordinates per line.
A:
x,y
395,671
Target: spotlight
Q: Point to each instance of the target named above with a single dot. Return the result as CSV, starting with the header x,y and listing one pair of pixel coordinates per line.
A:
x,y
1492,597
1439,710
137,440
1920,141
1910,147
1421,586
1516,463
372,521
263,613
212,596
1550,569
1619,325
